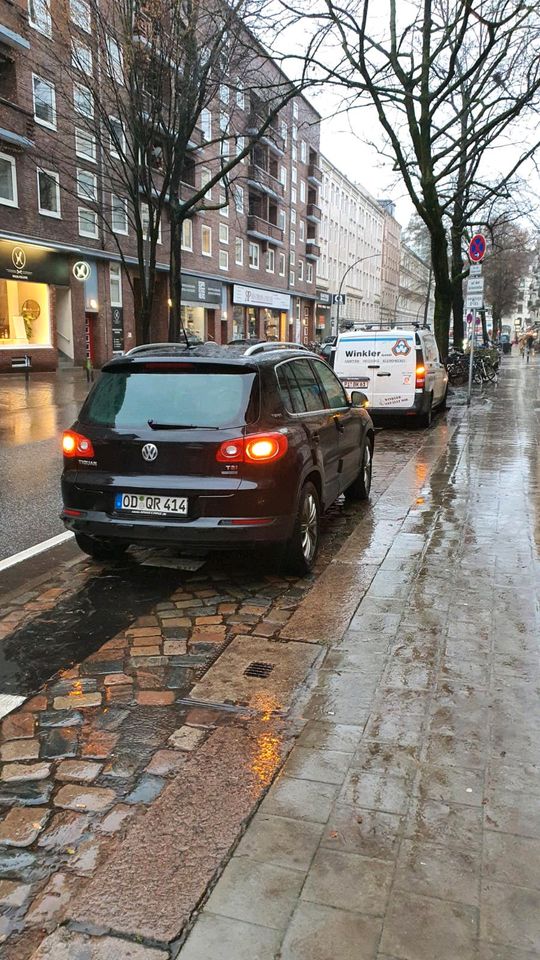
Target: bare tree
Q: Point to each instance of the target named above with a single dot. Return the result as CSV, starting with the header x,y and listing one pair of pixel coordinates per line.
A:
x,y
169,99
507,264
450,81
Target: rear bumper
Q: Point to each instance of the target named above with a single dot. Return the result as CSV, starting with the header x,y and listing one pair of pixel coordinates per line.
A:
x,y
420,405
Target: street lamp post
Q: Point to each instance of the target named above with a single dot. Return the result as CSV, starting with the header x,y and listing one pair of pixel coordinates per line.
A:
x,y
348,270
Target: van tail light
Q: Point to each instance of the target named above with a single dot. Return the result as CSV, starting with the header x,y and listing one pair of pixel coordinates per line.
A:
x,y
257,448
420,376
75,445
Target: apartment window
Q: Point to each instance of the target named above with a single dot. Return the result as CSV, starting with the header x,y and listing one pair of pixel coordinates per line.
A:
x,y
224,93
270,261
39,16
294,175
223,233
303,151
116,63
119,214
294,153
302,191
295,110
283,175
81,57
292,258
293,216
240,96
293,194
83,101
117,137
240,145
253,251
206,124
44,102
145,223
302,230
223,122
300,269
223,259
187,235
206,241
8,181
283,131
293,238
282,264
115,284
223,199
79,11
88,222
309,273
239,251
85,144
294,132
291,278
206,176
239,198
86,185
282,219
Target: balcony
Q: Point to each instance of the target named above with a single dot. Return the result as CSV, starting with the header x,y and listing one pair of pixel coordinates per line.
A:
x,y
260,179
16,125
314,213
271,137
263,230
314,174
313,250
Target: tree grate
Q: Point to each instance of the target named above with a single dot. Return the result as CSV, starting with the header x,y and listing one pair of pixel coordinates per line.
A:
x,y
259,669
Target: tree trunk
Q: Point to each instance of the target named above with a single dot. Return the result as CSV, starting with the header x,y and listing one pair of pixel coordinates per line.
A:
x,y
175,277
457,287
443,290
485,337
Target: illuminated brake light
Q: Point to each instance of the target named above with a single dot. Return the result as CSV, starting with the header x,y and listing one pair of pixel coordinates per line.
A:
x,y
420,376
258,448
75,445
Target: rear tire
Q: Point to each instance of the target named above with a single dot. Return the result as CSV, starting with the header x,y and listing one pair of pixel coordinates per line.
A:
x,y
100,549
424,419
302,548
360,488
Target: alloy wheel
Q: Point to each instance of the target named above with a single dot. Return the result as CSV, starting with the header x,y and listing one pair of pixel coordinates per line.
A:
x,y
309,527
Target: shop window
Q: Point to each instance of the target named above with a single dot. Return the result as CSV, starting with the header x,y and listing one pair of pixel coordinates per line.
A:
x,y
206,124
79,11
39,16
85,144
239,251
253,251
86,185
300,269
48,193
8,181
88,222
117,137
81,57
238,322
223,259
270,261
206,176
116,62
83,101
115,284
24,314
187,235
282,264
206,241
270,320
223,233
119,214
44,96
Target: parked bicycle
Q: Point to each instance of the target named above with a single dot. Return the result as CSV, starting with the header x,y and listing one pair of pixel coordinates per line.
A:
x,y
484,368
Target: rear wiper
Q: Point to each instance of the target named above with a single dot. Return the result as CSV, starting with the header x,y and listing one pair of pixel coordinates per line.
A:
x,y
179,426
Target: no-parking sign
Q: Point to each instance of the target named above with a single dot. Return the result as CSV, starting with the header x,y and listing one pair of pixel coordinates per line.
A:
x,y
477,248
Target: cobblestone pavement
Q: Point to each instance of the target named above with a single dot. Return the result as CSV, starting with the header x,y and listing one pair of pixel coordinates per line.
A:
x,y
397,686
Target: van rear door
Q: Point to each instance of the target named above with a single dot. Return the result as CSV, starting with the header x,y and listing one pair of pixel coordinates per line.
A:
x,y
356,362
394,379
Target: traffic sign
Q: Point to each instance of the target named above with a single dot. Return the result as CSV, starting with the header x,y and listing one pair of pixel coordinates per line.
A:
x,y
475,285
477,248
475,270
475,301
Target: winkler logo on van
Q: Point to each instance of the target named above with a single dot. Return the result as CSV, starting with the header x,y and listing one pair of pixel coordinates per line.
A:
x,y
401,348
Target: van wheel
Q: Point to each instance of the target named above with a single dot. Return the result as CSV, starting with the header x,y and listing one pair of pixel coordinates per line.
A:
x,y
360,488
100,549
424,419
301,550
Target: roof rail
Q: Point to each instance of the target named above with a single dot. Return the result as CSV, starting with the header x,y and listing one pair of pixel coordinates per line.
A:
x,y
390,325
150,347
268,345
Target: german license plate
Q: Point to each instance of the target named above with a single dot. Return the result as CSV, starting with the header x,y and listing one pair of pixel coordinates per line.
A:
x,y
356,384
151,503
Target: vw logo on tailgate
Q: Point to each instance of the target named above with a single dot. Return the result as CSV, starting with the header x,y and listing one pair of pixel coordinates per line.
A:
x,y
149,452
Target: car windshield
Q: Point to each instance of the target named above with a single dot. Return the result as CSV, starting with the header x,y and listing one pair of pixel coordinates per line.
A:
x,y
197,397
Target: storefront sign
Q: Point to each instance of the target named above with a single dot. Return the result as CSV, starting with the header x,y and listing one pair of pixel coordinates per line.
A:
x,y
31,264
81,270
324,298
198,290
253,297
117,329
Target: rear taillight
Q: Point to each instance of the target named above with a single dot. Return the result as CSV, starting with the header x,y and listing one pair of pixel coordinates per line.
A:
x,y
258,448
420,376
75,445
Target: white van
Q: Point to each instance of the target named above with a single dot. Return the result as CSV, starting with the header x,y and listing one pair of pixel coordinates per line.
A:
x,y
399,370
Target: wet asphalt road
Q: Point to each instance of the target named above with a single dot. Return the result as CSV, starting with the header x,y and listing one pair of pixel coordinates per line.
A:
x,y
31,422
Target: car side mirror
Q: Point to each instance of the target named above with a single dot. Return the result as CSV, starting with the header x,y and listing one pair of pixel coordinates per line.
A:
x,y
359,399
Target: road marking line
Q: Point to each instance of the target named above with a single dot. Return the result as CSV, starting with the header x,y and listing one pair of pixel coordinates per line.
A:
x,y
8,703
33,551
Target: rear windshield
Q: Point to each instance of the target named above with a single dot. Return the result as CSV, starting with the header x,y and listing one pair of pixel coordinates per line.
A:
x,y
194,398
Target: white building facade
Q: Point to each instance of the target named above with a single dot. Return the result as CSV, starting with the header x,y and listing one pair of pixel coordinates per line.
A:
x,y
351,240
416,299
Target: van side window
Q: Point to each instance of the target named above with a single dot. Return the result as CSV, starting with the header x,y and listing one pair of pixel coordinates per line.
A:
x,y
336,397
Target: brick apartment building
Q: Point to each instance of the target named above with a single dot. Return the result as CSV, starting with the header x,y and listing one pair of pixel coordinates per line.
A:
x,y
248,269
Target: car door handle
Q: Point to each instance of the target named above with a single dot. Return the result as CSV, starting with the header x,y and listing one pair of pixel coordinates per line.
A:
x,y
384,374
374,366
339,426
315,437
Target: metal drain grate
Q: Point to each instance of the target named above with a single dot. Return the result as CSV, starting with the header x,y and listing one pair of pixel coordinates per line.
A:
x,y
259,669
